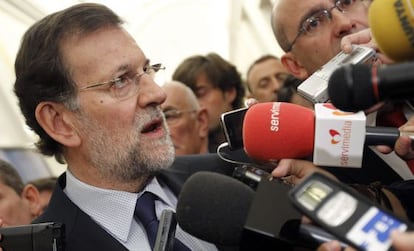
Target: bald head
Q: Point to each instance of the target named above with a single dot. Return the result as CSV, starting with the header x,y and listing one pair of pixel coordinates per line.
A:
x,y
280,14
308,49
187,122
182,94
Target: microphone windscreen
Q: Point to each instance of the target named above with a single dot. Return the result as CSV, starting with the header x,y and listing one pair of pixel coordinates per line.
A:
x,y
214,207
276,130
392,26
350,88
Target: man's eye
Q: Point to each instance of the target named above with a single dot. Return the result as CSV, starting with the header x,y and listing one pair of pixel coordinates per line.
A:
x,y
312,24
264,83
201,92
121,82
347,2
171,114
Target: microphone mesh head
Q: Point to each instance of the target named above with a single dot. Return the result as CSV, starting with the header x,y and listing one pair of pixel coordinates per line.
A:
x,y
214,207
276,130
391,25
350,88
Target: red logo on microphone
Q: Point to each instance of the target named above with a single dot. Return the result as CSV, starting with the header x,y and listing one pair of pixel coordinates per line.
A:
x,y
335,111
336,136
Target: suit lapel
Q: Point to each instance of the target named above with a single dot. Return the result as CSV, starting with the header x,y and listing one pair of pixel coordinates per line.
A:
x,y
81,232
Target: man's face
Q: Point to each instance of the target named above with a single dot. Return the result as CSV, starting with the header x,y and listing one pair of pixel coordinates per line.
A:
x,y
213,99
186,130
122,139
314,49
265,79
14,210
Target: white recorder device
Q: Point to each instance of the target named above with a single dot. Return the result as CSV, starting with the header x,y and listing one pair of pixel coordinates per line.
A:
x,y
315,88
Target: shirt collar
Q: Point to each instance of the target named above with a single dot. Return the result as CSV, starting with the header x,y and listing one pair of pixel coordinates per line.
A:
x,y
112,209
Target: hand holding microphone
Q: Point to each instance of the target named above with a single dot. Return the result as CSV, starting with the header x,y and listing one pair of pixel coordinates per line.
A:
x,y
404,144
391,33
293,171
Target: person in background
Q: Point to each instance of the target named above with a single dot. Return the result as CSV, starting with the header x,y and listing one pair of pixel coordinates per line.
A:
x,y
311,33
45,186
265,78
289,93
218,87
19,203
187,122
87,89
311,38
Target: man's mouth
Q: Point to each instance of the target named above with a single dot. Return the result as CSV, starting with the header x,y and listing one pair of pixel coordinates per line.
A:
x,y
153,126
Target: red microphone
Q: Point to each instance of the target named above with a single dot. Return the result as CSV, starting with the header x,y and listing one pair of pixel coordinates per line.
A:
x,y
276,130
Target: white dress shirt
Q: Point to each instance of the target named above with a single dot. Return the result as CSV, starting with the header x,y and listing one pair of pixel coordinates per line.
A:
x,y
114,211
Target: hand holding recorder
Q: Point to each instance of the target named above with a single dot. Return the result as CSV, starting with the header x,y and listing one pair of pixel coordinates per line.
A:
x,y
346,214
401,241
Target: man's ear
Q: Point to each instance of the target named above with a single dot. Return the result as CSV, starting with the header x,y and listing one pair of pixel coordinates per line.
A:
x,y
31,195
202,118
56,120
294,66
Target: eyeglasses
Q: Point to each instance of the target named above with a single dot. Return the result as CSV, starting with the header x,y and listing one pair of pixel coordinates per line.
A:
x,y
319,19
172,116
126,86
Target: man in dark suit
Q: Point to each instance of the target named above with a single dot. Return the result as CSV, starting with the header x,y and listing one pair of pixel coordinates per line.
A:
x,y
87,89
83,233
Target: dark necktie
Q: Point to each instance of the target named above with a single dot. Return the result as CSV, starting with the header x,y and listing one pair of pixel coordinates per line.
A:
x,y
145,212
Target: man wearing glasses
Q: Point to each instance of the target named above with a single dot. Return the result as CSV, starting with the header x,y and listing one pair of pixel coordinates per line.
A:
x,y
187,122
311,33
87,89
218,87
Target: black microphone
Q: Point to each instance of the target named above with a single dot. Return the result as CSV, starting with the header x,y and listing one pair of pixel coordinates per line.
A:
x,y
358,87
378,135
214,207
225,211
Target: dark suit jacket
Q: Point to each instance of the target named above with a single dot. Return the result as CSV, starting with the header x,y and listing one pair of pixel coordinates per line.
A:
x,y
82,233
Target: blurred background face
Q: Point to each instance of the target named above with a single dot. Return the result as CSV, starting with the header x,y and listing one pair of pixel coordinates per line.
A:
x,y
265,79
314,50
213,99
187,123
14,210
